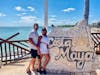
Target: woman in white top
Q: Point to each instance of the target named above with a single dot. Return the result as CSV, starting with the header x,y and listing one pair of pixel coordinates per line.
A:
x,y
44,52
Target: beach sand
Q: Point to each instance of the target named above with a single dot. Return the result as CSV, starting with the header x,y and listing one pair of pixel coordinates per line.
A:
x,y
19,68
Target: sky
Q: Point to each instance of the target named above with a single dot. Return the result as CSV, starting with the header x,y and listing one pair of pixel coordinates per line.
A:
x,y
60,12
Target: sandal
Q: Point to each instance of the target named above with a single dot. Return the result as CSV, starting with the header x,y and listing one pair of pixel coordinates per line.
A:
x,y
43,71
29,73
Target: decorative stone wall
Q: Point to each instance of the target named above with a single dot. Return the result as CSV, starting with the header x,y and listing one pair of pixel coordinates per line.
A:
x,y
71,51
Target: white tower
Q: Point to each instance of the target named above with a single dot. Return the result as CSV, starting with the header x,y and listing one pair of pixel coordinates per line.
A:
x,y
46,14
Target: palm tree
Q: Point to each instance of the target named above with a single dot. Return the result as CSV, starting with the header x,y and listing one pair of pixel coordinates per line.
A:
x,y
86,10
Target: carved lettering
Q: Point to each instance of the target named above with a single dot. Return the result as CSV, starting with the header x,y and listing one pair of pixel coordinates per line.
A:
x,y
78,57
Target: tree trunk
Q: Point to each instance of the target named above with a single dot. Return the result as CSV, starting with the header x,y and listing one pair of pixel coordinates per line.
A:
x,y
86,10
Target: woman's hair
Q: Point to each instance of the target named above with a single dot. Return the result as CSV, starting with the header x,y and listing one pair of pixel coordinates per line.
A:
x,y
44,29
35,24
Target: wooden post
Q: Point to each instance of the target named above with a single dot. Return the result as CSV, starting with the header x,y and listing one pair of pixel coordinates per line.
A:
x,y
9,52
5,45
1,55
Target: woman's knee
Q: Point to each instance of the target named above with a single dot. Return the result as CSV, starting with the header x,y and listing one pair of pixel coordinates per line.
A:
x,y
47,57
33,60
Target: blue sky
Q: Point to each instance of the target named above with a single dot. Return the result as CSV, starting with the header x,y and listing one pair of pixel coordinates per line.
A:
x,y
27,12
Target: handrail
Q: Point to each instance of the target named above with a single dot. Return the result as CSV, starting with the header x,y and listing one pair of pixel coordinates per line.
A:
x,y
96,39
14,44
11,37
20,41
12,50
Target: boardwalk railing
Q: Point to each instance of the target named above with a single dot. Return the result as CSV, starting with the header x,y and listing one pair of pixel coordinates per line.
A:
x,y
96,39
13,50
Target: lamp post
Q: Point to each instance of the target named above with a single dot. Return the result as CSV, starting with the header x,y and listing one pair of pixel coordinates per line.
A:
x,y
86,10
46,14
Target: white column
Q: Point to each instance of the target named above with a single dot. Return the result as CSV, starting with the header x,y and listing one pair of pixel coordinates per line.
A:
x,y
86,10
46,13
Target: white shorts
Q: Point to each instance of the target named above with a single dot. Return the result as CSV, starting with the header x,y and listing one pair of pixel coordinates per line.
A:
x,y
44,51
43,48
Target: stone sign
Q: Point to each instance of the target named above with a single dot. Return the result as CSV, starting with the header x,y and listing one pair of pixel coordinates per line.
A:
x,y
71,50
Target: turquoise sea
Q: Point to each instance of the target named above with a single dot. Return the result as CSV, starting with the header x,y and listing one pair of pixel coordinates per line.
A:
x,y
6,32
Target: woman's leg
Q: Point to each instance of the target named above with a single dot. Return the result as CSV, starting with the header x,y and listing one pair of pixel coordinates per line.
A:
x,y
39,62
32,62
41,56
46,60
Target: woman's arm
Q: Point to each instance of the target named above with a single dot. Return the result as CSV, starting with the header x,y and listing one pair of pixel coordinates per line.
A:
x,y
31,42
39,41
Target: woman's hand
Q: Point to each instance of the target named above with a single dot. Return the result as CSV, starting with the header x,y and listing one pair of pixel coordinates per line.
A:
x,y
38,52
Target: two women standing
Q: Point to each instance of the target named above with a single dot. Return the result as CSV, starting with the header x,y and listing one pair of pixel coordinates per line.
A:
x,y
39,49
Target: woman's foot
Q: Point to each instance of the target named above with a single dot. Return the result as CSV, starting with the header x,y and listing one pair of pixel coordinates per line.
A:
x,y
28,70
43,71
34,73
38,70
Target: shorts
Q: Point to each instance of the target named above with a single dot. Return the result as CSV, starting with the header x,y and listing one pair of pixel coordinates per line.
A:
x,y
34,54
44,51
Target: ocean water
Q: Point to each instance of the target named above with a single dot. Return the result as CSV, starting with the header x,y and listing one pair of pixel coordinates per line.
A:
x,y
6,32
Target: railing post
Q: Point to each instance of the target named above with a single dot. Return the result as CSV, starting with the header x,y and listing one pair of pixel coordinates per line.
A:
x,y
5,52
1,55
1,52
21,52
14,52
18,52
9,52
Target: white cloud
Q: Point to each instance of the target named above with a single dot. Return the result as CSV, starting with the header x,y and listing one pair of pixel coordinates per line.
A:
x,y
52,19
27,19
61,22
19,14
53,16
2,14
19,8
68,10
22,14
31,8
